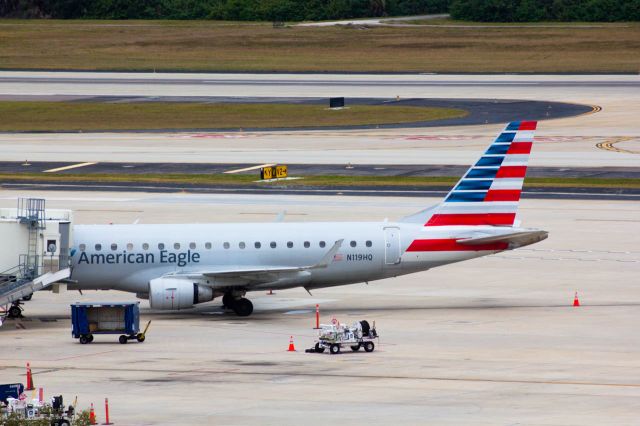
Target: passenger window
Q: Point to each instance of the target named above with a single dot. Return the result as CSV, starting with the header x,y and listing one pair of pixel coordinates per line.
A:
x,y
307,244
290,244
82,247
98,247
192,246
368,243
226,245
257,244
273,244
160,246
145,246
353,244
129,246
176,246
207,246
114,247
241,245
322,244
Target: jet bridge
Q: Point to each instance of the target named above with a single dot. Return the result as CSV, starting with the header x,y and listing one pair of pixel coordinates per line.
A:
x,y
36,249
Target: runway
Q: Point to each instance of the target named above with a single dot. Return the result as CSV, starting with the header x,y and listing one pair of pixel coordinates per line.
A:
x,y
494,340
608,137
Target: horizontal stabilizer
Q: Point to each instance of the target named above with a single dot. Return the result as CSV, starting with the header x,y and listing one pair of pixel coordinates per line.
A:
x,y
515,239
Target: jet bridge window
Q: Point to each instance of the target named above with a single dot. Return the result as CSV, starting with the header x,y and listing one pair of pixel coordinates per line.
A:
x,y
322,244
273,244
290,244
368,243
145,246
192,246
176,246
160,246
353,244
242,245
114,247
207,246
307,244
257,244
82,247
98,247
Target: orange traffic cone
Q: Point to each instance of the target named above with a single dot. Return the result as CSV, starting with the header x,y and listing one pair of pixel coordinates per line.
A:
x,y
576,301
92,416
29,378
291,347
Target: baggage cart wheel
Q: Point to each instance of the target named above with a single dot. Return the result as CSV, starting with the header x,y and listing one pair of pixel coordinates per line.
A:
x,y
90,337
123,339
140,337
334,349
319,348
355,348
369,346
84,339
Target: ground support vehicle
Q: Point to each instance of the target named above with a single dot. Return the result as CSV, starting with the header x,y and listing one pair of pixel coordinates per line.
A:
x,y
88,319
336,336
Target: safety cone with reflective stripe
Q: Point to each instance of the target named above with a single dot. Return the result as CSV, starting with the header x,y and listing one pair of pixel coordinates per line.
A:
x,y
291,347
576,301
29,378
92,416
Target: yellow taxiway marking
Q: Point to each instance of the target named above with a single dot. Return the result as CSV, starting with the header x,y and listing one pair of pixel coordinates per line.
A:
x,y
249,168
73,166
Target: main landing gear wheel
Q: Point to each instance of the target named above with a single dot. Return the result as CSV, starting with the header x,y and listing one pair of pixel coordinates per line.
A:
x,y
14,312
227,301
242,307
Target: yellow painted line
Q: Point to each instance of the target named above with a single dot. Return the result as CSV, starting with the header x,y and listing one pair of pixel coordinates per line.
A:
x,y
249,168
73,166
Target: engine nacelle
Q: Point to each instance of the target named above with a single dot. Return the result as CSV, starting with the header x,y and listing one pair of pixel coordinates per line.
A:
x,y
176,293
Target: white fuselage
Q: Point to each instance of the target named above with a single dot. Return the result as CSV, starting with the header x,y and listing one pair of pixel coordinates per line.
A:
x,y
128,257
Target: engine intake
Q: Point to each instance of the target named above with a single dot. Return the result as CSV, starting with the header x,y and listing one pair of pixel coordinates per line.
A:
x,y
175,293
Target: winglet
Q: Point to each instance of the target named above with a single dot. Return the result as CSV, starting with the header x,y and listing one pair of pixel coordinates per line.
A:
x,y
327,258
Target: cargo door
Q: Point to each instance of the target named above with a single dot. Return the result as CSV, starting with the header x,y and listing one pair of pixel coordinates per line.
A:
x,y
391,245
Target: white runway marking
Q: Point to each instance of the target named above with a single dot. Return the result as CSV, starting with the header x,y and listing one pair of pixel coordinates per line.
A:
x,y
250,168
72,166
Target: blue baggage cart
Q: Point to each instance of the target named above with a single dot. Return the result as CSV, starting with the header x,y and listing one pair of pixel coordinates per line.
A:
x,y
88,319
12,390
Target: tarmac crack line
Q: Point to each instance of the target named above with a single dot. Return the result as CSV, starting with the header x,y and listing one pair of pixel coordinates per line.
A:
x,y
341,375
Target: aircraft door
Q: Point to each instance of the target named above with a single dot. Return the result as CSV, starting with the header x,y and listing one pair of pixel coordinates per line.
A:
x,y
391,245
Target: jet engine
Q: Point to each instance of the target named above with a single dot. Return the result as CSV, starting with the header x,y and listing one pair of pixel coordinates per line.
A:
x,y
176,293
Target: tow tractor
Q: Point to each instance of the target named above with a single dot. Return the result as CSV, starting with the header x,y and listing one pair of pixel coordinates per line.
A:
x,y
336,336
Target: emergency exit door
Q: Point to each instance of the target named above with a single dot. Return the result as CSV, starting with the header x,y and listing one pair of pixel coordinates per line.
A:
x,y
392,245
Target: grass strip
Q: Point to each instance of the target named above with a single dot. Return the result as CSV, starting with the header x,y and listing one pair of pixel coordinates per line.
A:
x,y
92,116
337,181
225,46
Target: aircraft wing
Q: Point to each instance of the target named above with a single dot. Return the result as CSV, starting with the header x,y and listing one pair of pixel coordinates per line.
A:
x,y
252,275
515,239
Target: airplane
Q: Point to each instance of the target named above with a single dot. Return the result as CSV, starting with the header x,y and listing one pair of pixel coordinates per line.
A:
x,y
177,266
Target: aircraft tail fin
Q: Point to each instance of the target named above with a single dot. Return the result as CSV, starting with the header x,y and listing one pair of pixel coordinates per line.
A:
x,y
489,192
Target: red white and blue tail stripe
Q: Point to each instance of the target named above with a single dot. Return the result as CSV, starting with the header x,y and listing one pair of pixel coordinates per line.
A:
x,y
488,194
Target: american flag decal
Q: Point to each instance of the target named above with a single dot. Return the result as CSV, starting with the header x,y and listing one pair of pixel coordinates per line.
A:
x,y
337,257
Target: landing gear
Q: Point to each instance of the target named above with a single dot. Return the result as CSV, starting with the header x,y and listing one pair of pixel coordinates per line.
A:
x,y
242,307
15,311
